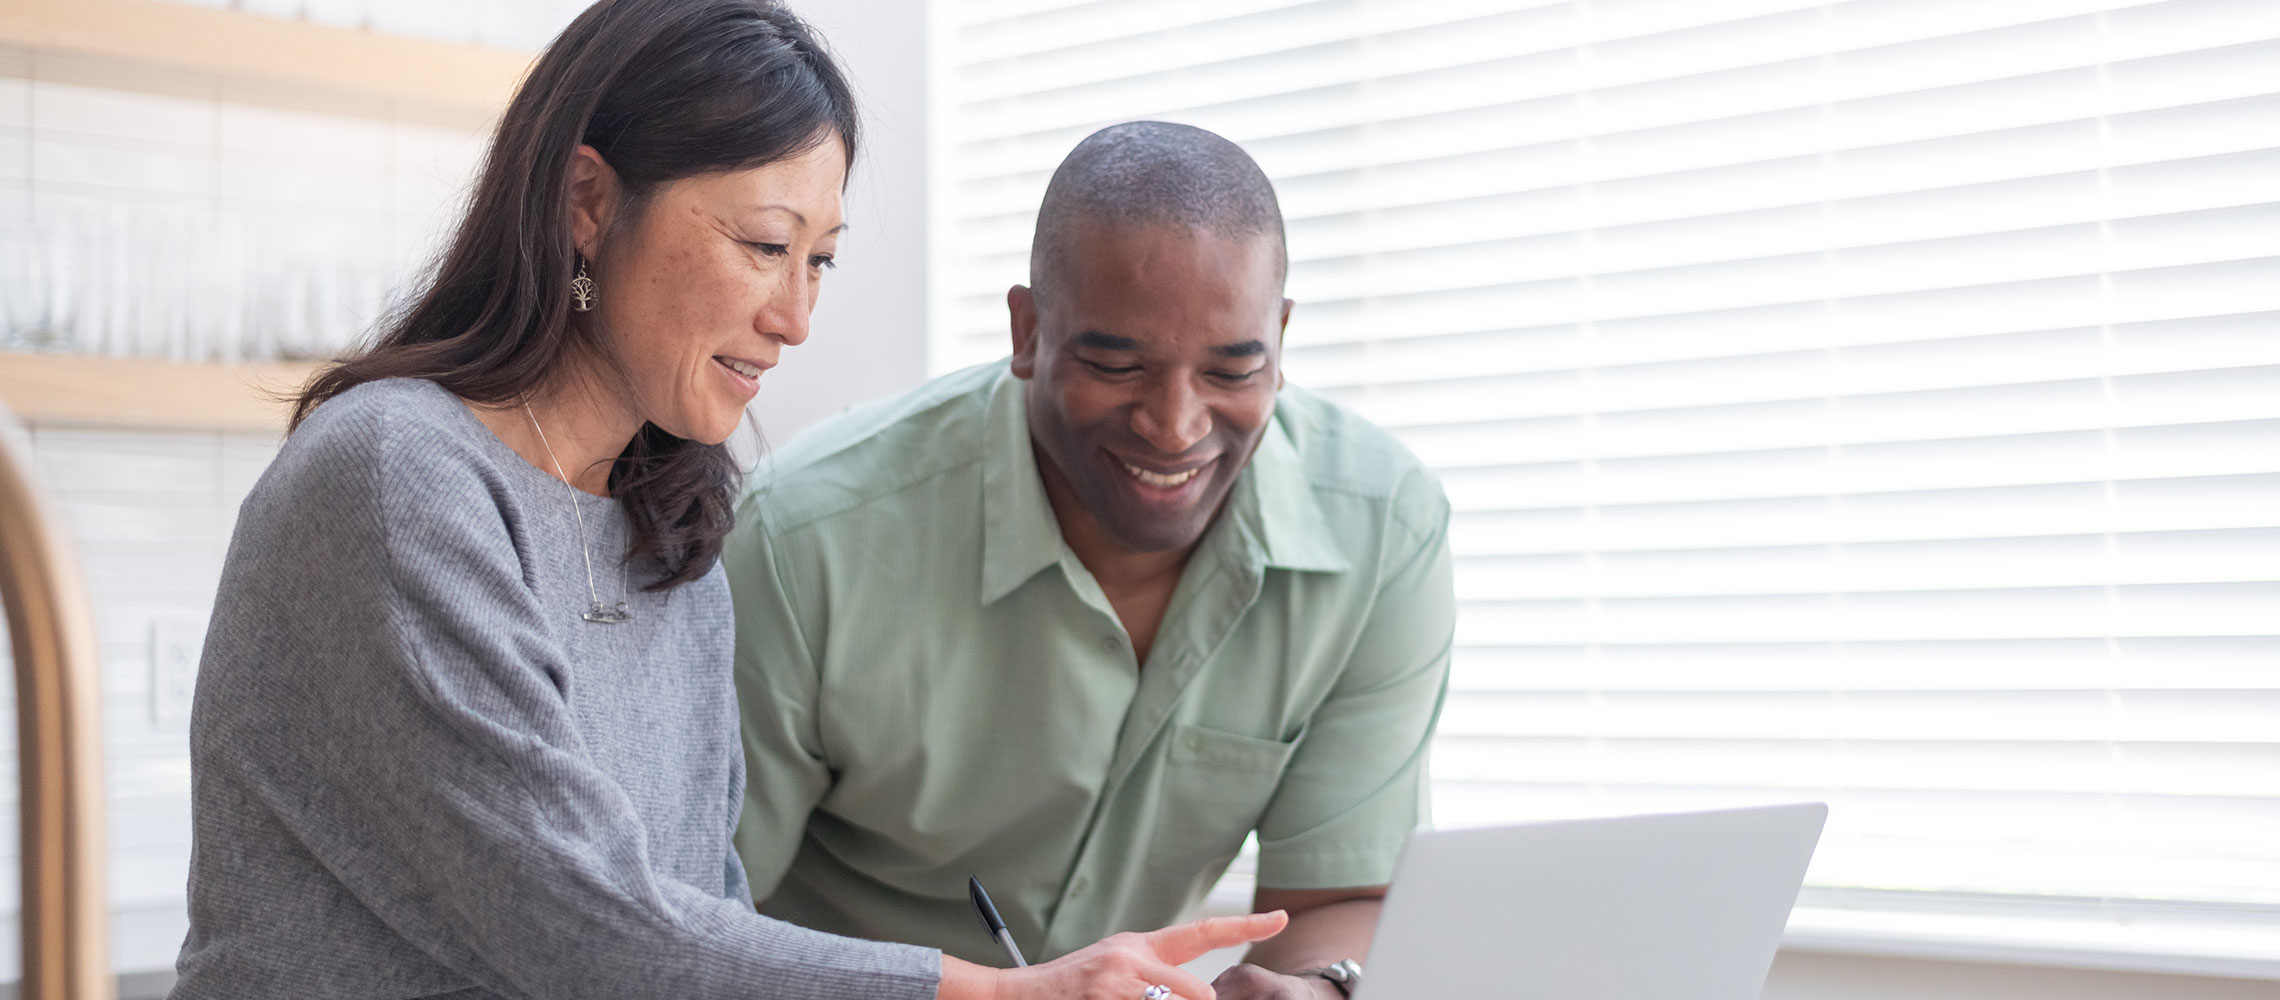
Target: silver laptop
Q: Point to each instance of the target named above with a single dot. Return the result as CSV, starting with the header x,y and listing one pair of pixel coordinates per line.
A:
x,y
1688,906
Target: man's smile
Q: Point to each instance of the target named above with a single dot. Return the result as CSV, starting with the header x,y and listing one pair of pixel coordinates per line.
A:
x,y
1158,483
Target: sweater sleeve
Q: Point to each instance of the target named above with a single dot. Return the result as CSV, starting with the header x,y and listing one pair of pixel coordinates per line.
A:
x,y
397,702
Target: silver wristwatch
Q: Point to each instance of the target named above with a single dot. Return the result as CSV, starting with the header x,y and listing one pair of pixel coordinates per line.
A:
x,y
1344,975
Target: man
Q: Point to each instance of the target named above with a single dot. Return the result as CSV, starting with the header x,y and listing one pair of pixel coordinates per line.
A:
x,y
1080,623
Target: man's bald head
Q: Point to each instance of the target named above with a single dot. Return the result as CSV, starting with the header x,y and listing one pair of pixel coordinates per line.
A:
x,y
1152,173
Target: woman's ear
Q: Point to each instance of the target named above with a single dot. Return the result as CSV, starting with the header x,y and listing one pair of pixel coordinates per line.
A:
x,y
593,197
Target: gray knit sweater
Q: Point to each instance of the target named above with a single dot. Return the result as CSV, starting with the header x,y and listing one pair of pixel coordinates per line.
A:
x,y
416,772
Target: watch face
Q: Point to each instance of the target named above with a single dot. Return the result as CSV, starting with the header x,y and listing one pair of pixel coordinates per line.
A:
x,y
1346,975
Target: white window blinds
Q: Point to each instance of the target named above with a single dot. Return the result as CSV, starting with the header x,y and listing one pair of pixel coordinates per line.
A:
x,y
1876,402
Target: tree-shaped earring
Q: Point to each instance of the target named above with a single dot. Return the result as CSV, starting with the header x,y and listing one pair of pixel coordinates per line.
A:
x,y
582,288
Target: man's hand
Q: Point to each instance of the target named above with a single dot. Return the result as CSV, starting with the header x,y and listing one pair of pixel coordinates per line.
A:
x,y
1251,982
1326,925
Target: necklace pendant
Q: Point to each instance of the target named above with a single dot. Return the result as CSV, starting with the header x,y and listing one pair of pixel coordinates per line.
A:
x,y
607,616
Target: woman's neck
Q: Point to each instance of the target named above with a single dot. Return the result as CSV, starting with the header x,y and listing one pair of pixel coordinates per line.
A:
x,y
570,428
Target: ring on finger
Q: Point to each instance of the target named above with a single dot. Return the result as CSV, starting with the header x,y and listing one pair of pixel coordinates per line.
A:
x,y
1156,992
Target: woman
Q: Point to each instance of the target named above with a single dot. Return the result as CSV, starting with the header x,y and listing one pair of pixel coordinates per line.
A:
x,y
465,725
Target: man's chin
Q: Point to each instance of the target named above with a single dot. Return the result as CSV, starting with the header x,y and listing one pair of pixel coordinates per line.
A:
x,y
1152,538
1139,526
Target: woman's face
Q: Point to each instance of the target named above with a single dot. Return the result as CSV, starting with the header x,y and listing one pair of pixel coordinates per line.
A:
x,y
713,278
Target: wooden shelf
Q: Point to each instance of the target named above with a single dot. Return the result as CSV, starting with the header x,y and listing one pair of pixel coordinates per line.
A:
x,y
235,44
132,392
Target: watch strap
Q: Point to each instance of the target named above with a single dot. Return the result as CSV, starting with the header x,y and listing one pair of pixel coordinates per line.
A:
x,y
1345,975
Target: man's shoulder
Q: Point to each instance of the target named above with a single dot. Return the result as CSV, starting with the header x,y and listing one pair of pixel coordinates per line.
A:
x,y
876,451
1342,453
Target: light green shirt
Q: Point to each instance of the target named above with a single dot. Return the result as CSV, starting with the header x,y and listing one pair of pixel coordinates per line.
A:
x,y
934,686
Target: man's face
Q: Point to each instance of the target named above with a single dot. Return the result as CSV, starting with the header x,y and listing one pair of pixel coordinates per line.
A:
x,y
1152,373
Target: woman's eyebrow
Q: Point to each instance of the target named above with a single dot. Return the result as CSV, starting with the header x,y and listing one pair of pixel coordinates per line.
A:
x,y
797,217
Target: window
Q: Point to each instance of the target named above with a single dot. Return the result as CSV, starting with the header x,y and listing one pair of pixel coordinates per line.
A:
x,y
1875,402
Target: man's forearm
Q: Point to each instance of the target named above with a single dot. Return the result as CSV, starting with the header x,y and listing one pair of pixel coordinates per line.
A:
x,y
1320,936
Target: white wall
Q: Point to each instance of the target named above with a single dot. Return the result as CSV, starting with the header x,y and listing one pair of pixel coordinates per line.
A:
x,y
1805,976
150,514
869,334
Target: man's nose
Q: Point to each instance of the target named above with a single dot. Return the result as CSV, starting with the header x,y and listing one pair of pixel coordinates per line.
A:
x,y
1170,418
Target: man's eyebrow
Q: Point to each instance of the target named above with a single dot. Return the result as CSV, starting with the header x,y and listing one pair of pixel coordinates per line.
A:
x,y
1106,341
1245,349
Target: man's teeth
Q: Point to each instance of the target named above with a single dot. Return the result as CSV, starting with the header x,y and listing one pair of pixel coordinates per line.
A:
x,y
739,367
1158,479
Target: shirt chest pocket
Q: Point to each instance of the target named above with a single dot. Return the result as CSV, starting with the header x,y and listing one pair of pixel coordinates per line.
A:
x,y
1216,786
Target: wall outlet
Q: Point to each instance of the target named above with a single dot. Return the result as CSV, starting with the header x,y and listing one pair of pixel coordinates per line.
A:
x,y
175,645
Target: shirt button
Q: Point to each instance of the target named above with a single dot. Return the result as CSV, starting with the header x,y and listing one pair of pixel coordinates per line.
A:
x,y
1078,887
1110,643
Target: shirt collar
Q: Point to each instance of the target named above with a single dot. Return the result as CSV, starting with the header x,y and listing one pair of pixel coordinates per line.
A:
x,y
1019,535
1274,517
1275,507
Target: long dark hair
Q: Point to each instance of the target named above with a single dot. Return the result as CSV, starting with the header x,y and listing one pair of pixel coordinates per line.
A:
x,y
662,89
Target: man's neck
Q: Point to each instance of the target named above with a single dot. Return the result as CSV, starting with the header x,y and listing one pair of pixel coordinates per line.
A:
x,y
1138,585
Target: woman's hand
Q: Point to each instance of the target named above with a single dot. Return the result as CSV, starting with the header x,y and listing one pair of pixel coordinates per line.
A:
x,y
1121,967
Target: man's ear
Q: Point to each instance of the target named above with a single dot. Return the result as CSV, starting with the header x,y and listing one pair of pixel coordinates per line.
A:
x,y
1021,308
593,197
1280,330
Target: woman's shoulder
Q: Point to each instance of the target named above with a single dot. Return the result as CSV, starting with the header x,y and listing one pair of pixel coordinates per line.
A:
x,y
409,419
376,439
384,407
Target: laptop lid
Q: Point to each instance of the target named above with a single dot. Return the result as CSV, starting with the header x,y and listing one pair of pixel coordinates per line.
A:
x,y
1686,906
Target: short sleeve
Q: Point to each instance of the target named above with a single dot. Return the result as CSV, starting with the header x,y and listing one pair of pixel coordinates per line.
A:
x,y
1357,785
786,772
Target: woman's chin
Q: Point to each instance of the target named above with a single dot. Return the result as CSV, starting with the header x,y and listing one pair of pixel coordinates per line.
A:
x,y
705,428
719,433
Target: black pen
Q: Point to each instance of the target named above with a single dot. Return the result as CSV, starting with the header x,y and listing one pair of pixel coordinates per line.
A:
x,y
991,920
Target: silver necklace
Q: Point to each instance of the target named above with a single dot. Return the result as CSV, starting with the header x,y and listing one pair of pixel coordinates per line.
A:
x,y
595,612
